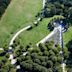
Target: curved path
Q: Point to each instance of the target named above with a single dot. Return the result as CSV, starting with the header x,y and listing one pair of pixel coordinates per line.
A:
x,y
16,35
20,31
13,61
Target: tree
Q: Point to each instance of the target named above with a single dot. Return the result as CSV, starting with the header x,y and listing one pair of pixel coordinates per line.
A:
x,y
26,66
3,6
54,59
37,61
44,64
59,59
49,45
69,70
42,47
46,53
49,64
50,70
66,53
39,68
7,68
34,55
51,53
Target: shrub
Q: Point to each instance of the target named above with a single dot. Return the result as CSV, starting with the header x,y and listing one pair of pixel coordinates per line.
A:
x,y
49,64
37,61
42,47
26,66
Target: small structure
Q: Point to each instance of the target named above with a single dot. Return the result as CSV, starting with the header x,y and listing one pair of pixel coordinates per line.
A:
x,y
13,61
18,67
39,19
24,54
11,57
1,49
35,22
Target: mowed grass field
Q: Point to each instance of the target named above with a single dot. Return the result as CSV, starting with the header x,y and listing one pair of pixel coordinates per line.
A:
x,y
37,33
67,36
19,14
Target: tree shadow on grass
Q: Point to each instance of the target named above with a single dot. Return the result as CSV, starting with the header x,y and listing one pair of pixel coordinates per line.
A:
x,y
3,6
69,59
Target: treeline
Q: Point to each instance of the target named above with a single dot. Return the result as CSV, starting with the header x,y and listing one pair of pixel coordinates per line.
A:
x,y
58,7
44,58
3,6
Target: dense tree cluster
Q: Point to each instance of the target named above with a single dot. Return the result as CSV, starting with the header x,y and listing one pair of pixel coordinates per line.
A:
x,y
58,7
3,6
45,58
5,65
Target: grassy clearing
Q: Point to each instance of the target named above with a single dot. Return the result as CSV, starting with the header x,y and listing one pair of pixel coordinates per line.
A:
x,y
36,34
20,13
67,36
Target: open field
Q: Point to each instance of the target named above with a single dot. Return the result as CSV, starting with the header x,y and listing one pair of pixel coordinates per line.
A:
x,y
19,14
36,34
67,36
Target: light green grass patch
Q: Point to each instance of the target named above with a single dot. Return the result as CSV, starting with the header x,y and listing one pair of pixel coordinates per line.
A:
x,y
37,33
19,14
67,36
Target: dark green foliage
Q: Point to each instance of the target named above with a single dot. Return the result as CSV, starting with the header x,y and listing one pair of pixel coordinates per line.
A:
x,y
45,58
49,64
42,47
69,70
26,66
3,6
6,67
59,59
51,53
58,7
45,53
34,55
37,61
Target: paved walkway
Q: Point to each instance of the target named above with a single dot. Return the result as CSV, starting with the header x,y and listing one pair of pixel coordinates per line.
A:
x,y
16,35
49,36
44,1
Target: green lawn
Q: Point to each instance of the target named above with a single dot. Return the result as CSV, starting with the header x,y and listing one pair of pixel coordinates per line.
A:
x,y
36,34
67,36
19,14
